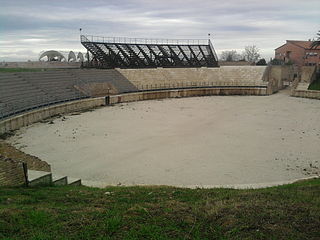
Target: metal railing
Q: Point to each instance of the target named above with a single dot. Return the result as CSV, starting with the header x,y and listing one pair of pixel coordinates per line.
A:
x,y
211,84
126,40
213,50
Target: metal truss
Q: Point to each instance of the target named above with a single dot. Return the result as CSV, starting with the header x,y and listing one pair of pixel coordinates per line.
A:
x,y
148,53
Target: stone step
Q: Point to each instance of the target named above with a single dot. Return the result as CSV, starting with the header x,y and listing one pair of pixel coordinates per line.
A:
x,y
59,180
39,178
74,181
302,86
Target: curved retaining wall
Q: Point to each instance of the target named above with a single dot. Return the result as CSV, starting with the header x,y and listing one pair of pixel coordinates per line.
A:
x,y
179,93
28,118
306,93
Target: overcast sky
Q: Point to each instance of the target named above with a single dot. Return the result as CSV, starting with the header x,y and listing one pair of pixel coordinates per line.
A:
x,y
30,26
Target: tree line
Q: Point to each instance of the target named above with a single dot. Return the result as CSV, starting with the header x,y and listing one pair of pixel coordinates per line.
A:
x,y
250,54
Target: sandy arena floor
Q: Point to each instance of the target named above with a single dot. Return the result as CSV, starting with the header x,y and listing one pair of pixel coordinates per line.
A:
x,y
203,141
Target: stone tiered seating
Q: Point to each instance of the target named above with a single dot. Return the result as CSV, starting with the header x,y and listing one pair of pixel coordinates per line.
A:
x,y
57,84
16,95
28,90
106,76
24,91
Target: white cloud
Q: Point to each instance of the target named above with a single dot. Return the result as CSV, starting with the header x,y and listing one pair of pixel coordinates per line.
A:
x,y
36,25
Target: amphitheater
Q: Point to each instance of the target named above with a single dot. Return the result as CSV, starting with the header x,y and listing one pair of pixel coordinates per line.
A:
x,y
240,128
193,125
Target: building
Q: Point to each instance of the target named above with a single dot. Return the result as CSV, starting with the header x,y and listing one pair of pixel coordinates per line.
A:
x,y
299,53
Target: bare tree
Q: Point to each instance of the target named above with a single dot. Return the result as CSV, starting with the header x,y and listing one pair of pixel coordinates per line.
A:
x,y
230,56
251,53
316,43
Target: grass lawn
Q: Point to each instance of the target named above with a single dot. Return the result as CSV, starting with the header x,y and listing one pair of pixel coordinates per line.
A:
x,y
315,85
284,212
9,70
12,70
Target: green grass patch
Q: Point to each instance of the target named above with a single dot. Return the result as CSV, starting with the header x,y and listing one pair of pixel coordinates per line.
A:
x,y
284,212
11,70
315,85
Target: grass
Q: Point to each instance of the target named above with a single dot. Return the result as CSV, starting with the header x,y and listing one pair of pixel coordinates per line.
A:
x,y
21,70
315,85
284,212
12,70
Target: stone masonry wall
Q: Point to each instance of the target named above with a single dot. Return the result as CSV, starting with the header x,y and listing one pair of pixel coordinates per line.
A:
x,y
306,94
11,172
10,152
308,74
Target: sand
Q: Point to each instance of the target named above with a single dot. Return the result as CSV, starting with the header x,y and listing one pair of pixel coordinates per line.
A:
x,y
201,141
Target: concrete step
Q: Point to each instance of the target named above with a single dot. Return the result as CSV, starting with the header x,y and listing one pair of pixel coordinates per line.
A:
x,y
59,180
302,86
74,181
39,178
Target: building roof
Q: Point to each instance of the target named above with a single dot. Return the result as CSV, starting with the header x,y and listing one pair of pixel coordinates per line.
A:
x,y
302,44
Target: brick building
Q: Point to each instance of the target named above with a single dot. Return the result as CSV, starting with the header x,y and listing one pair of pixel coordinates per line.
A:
x,y
299,53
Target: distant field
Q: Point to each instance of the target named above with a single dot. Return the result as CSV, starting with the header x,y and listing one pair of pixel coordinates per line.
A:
x,y
24,69
284,212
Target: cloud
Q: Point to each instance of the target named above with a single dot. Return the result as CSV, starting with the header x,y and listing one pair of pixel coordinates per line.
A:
x,y
37,25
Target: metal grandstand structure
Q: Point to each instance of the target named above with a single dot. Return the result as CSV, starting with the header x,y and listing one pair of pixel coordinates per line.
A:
x,y
122,52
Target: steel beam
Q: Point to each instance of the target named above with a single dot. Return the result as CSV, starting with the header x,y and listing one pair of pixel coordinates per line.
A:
x,y
185,56
116,56
150,62
194,55
136,55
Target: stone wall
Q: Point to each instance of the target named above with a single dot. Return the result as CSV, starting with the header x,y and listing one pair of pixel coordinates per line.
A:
x,y
287,73
11,172
300,86
47,112
179,93
97,89
306,93
308,74
176,77
277,75
34,163
234,63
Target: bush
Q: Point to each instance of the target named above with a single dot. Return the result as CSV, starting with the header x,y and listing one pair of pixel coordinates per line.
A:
x,y
261,62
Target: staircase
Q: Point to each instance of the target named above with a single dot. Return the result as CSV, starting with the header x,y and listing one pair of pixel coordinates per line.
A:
x,y
40,178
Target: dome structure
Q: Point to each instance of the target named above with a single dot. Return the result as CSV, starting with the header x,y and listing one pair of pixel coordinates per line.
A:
x,y
72,57
52,55
80,57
